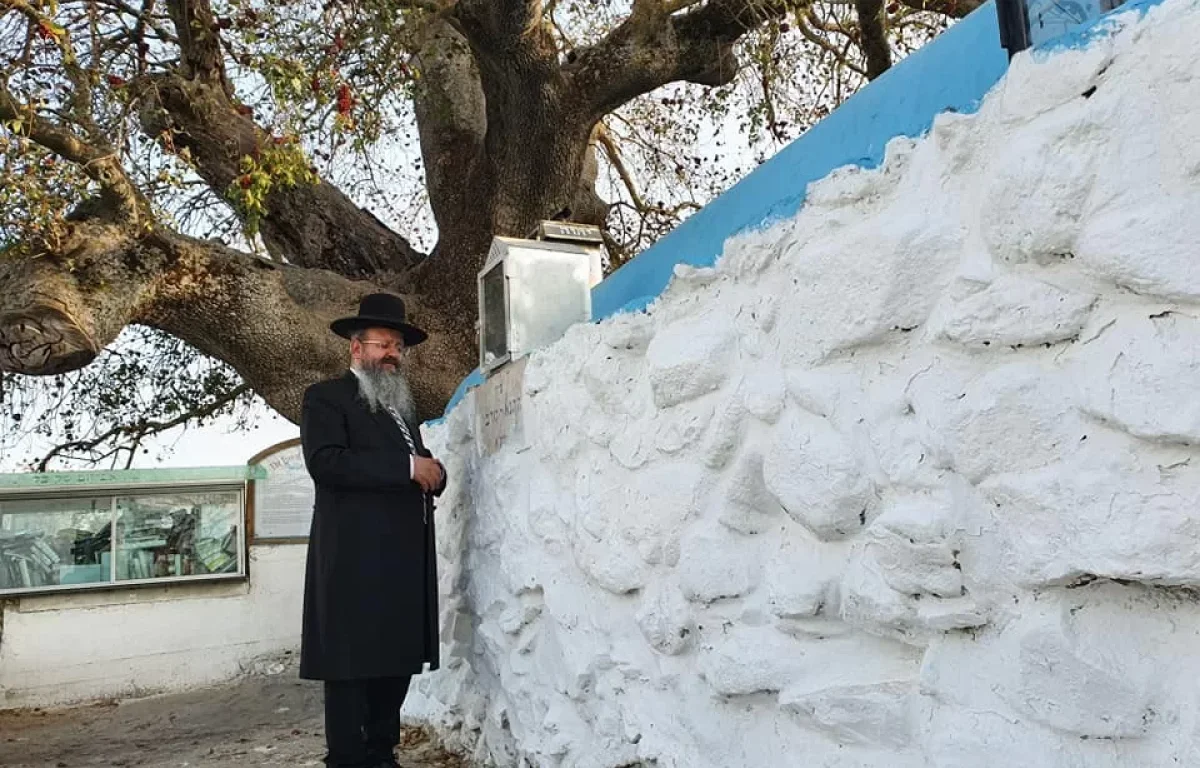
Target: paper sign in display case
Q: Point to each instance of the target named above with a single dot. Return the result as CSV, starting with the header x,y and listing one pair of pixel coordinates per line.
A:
x,y
93,530
532,290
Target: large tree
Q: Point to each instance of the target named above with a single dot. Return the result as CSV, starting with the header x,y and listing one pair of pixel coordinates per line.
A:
x,y
136,131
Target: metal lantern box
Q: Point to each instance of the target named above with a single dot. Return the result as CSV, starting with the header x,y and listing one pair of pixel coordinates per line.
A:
x,y
531,291
1030,23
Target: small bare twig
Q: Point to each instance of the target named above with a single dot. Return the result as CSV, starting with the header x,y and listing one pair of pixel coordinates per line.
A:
x,y
138,432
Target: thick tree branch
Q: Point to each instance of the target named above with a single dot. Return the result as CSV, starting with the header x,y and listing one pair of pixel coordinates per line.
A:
x,y
955,9
199,42
269,322
652,47
310,225
502,27
451,114
873,36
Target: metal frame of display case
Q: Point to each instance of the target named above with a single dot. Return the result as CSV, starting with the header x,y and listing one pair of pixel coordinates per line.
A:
x,y
1028,24
543,284
129,483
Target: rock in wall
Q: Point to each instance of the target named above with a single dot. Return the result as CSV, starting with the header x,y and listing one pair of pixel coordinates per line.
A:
x,y
908,480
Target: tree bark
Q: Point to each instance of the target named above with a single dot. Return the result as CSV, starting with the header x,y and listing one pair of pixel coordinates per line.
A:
x,y
872,25
501,149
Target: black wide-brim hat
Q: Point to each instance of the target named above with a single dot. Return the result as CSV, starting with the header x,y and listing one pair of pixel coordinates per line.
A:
x,y
380,310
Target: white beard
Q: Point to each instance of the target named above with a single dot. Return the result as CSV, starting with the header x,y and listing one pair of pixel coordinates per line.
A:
x,y
386,390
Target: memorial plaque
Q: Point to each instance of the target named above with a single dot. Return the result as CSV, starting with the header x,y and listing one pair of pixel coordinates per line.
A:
x,y
283,499
498,407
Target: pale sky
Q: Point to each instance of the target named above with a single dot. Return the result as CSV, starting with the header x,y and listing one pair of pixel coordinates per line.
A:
x,y
214,445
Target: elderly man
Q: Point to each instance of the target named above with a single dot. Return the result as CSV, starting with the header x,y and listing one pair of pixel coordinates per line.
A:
x,y
370,590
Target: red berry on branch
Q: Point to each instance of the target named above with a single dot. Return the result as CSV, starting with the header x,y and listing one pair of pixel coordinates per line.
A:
x,y
344,99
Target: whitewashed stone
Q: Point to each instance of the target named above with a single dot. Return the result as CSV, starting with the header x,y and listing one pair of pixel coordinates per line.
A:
x,y
754,322
826,391
690,358
749,507
747,520
1011,417
726,435
916,568
952,614
816,476
1075,71
751,660
716,564
899,442
1058,688
1015,311
1101,515
801,579
869,603
1143,376
630,332
632,448
927,516
1032,215
665,619
763,392
909,544
596,679
646,513
875,714
681,426
617,383
875,298
1163,266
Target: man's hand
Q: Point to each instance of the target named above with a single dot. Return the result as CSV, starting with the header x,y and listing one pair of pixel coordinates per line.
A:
x,y
427,473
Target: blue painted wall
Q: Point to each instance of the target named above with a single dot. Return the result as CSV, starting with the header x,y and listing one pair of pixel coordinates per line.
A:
x,y
953,73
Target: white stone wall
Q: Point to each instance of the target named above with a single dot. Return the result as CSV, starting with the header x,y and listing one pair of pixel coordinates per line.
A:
x,y
909,480
83,646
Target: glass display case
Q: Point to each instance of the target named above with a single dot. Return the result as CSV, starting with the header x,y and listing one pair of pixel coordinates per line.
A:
x,y
120,535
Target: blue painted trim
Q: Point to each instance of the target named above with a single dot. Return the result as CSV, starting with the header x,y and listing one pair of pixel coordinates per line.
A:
x,y
951,73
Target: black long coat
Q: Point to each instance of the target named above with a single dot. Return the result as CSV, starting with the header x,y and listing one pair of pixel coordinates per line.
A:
x,y
370,587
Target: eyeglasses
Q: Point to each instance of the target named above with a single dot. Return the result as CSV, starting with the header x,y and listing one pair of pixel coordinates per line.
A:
x,y
387,346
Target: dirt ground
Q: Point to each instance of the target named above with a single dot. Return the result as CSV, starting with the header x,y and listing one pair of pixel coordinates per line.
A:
x,y
260,720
